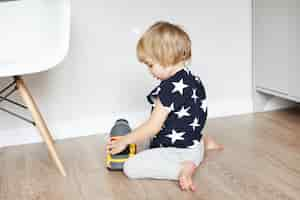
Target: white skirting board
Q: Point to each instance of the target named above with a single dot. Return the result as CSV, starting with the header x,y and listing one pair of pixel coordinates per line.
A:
x,y
267,100
102,124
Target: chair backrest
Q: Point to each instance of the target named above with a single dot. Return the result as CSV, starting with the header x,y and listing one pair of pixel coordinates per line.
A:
x,y
34,35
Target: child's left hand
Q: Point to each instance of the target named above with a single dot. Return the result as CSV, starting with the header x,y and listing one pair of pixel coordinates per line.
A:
x,y
116,146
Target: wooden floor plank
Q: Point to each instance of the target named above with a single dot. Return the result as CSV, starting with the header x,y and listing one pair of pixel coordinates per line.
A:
x,y
261,160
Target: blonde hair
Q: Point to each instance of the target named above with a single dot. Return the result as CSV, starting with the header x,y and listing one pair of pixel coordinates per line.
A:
x,y
165,44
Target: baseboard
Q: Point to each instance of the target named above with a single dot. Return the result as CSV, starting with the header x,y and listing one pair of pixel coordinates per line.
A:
x,y
230,107
84,126
268,101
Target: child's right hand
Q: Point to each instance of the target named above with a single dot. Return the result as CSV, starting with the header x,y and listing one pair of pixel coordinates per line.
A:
x,y
116,146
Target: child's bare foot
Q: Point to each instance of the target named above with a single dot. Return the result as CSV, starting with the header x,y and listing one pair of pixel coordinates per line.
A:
x,y
210,144
185,176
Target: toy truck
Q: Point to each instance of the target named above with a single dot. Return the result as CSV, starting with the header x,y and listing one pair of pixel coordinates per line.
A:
x,y
116,162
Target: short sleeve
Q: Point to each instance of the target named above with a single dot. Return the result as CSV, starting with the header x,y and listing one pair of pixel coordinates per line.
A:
x,y
202,93
168,99
203,99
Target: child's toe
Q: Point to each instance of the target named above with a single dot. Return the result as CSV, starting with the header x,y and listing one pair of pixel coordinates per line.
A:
x,y
183,183
193,187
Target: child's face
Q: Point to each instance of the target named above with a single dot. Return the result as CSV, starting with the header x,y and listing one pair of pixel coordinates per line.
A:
x,y
159,72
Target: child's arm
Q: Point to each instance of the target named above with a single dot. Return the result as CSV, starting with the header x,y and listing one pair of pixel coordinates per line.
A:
x,y
148,129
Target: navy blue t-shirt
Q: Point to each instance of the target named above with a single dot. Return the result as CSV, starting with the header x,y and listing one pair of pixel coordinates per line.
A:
x,y
184,96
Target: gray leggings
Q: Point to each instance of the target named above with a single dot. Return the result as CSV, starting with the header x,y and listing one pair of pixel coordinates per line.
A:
x,y
162,163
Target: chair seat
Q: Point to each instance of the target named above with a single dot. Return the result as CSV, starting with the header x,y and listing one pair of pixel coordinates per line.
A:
x,y
34,35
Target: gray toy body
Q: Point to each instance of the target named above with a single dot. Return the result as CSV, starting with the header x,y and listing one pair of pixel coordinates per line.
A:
x,y
116,162
120,128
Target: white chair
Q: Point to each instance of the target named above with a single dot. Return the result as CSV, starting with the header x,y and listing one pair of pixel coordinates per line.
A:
x,y
34,37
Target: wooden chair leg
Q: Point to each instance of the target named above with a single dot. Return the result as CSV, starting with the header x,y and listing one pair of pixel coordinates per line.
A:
x,y
40,123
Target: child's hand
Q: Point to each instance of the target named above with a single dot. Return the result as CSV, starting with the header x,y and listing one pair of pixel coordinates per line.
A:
x,y
116,146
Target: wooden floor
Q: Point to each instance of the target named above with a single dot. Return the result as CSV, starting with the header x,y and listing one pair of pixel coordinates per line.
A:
x,y
261,160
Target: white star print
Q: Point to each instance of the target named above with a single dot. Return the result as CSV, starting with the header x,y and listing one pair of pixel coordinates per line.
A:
x,y
194,96
175,136
170,108
186,69
195,124
197,78
204,105
156,91
183,112
195,144
179,86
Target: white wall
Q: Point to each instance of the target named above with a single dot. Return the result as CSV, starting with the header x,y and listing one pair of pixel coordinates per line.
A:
x,y
101,80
